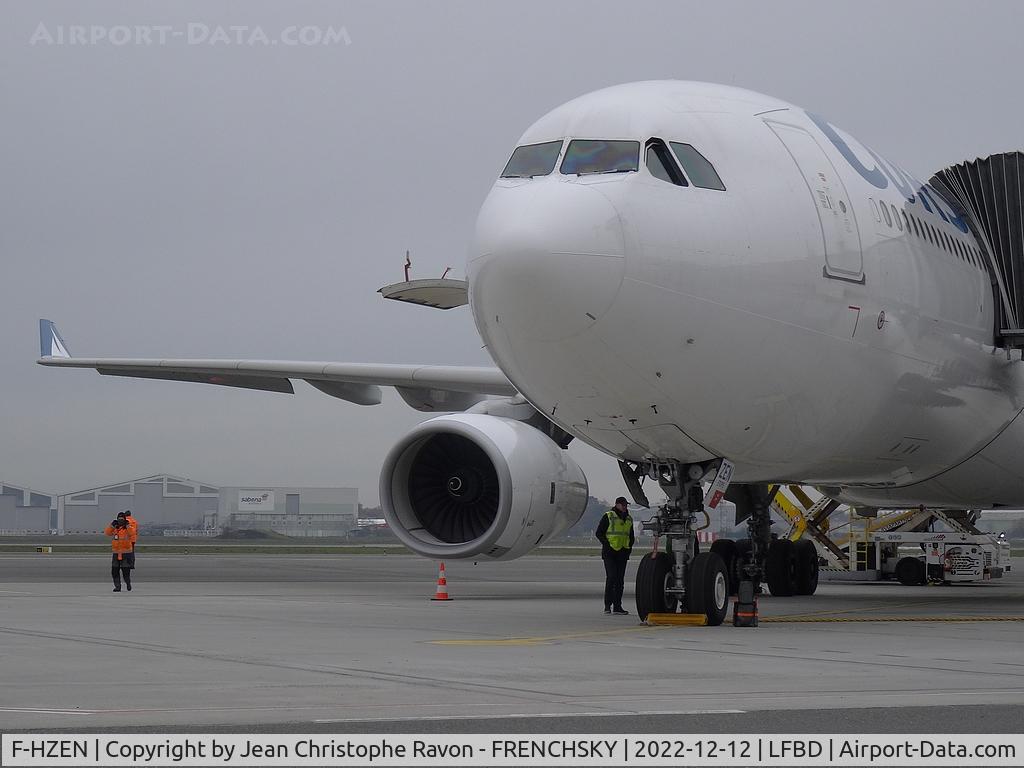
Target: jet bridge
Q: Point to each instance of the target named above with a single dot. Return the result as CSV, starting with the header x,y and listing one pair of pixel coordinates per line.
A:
x,y
989,193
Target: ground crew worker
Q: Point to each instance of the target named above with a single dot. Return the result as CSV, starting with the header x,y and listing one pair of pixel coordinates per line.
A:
x,y
615,532
120,548
133,528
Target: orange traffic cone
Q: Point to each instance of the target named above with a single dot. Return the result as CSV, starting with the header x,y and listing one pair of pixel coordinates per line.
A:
x,y
442,586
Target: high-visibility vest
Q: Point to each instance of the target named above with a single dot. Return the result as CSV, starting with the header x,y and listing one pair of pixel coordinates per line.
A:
x,y
618,530
121,542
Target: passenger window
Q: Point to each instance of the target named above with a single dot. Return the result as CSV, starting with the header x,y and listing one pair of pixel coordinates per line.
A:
x,y
885,212
913,220
906,221
661,165
697,168
874,208
532,160
586,156
896,217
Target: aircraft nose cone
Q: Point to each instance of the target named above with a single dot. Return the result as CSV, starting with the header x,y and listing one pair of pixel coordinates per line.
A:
x,y
548,259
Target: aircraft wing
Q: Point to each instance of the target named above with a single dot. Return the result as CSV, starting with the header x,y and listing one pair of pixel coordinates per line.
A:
x,y
424,387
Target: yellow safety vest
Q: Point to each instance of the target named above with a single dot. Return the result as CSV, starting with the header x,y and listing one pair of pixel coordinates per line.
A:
x,y
618,530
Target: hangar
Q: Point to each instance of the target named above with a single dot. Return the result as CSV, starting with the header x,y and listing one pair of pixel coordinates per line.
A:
x,y
168,502
158,500
296,512
23,510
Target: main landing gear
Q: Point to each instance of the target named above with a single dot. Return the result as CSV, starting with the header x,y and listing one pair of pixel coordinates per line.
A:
x,y
681,577
792,567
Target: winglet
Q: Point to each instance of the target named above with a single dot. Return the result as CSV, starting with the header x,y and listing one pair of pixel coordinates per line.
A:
x,y
50,342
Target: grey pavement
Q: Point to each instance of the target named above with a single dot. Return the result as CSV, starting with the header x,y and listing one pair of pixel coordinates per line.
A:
x,y
353,643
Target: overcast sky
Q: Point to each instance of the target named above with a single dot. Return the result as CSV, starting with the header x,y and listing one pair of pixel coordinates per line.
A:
x,y
206,198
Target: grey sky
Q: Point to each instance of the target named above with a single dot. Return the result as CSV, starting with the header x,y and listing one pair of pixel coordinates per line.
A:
x,y
217,200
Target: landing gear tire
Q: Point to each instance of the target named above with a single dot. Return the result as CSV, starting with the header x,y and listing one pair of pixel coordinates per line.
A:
x,y
805,580
653,575
708,590
727,550
910,572
779,568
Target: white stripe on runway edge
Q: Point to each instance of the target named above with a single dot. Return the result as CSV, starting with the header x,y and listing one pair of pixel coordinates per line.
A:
x,y
528,715
48,711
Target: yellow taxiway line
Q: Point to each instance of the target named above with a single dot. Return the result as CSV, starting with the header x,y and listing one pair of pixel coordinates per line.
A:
x,y
540,640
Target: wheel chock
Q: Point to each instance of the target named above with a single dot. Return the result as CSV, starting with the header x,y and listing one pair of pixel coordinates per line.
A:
x,y
677,619
744,610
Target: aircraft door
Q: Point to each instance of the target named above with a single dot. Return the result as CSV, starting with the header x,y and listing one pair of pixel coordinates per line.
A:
x,y
841,239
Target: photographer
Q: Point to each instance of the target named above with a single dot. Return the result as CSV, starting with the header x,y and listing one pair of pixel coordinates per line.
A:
x,y
120,547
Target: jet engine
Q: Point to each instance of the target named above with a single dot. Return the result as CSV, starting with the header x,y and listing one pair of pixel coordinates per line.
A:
x,y
479,486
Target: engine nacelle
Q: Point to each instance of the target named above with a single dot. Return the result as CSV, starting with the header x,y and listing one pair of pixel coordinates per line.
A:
x,y
475,486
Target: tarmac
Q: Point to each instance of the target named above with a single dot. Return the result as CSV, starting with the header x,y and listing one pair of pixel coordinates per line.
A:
x,y
353,643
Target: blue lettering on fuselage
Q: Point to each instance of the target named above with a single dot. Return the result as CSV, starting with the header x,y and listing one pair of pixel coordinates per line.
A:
x,y
896,175
884,171
873,176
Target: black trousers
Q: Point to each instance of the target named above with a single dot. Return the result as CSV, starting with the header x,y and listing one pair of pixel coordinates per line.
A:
x,y
119,568
614,576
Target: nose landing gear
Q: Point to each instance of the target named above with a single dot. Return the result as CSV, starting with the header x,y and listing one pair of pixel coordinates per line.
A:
x,y
682,579
679,577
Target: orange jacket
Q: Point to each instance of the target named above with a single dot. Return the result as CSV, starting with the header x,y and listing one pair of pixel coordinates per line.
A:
x,y
133,528
121,542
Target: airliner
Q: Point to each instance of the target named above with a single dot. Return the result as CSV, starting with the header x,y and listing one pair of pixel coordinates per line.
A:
x,y
701,282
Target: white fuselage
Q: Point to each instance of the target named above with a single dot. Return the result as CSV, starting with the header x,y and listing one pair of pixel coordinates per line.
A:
x,y
821,320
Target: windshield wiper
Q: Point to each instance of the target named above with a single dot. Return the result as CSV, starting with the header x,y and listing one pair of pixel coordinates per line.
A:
x,y
617,170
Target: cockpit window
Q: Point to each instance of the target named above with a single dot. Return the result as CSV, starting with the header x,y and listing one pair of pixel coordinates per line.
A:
x,y
532,160
661,165
598,156
701,172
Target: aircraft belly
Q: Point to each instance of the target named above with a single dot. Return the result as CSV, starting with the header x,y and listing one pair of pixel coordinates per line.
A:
x,y
992,477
